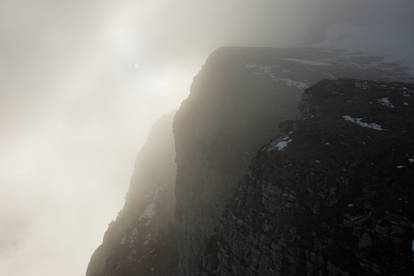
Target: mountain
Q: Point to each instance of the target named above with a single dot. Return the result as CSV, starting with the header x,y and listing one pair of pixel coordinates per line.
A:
x,y
333,194
143,234
235,107
207,213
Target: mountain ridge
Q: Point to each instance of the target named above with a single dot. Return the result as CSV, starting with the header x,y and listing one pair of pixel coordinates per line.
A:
x,y
235,107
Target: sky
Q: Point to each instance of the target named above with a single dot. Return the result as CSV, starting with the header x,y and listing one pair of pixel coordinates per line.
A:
x,y
82,81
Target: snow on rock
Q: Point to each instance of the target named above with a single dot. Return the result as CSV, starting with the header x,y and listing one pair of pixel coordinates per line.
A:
x,y
283,144
386,102
293,83
359,122
129,238
330,76
280,144
307,62
260,69
148,213
268,70
411,160
405,93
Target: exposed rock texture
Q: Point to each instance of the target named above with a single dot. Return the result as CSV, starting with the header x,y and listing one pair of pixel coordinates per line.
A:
x,y
235,106
333,194
328,196
141,241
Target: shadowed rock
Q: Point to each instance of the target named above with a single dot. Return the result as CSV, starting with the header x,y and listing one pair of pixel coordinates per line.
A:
x,y
282,218
235,106
338,199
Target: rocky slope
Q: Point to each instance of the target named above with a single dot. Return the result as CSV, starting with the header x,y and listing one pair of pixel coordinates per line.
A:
x,y
141,241
235,106
333,194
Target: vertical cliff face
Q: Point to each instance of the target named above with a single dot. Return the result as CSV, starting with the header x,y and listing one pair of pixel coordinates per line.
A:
x,y
236,104
315,193
331,195
141,241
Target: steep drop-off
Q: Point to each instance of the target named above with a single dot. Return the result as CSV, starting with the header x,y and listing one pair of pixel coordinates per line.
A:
x,y
198,209
235,106
333,194
142,241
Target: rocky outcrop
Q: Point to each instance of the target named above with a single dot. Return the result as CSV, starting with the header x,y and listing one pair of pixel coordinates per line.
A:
x,y
315,193
333,194
235,106
142,241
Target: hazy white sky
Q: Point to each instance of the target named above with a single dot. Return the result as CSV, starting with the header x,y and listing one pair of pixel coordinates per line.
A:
x,y
77,98
82,81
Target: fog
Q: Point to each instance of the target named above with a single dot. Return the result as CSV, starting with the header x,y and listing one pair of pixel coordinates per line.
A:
x,y
81,83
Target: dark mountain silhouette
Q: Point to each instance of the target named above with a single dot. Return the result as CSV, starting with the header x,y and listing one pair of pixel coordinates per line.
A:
x,y
270,180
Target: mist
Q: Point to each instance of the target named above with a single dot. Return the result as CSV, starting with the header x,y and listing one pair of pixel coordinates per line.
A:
x,y
81,83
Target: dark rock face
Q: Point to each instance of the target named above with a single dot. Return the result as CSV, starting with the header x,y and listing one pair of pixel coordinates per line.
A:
x,y
333,194
236,104
142,241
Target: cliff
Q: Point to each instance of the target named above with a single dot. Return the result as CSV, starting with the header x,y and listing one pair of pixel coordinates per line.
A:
x,y
143,235
333,194
226,191
236,104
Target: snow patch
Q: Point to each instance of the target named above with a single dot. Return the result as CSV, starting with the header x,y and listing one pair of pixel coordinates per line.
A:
x,y
386,102
261,70
129,238
359,122
148,213
280,144
293,83
329,76
411,160
405,93
401,167
307,61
